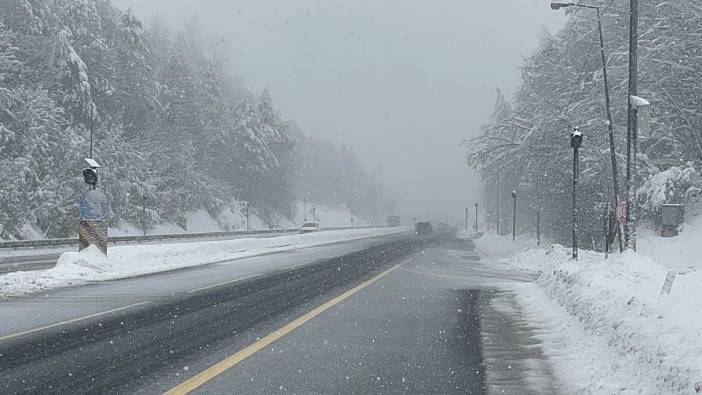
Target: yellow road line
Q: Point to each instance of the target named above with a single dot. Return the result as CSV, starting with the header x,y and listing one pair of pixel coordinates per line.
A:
x,y
71,321
222,283
234,359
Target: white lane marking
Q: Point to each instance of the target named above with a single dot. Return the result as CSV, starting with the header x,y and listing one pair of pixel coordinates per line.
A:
x,y
222,283
71,321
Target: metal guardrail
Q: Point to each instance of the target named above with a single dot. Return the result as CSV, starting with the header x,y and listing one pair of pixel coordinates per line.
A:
x,y
128,239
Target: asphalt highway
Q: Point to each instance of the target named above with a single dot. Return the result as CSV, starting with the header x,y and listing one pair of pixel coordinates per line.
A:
x,y
391,315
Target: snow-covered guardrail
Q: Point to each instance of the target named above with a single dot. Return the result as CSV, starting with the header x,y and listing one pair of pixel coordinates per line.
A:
x,y
137,239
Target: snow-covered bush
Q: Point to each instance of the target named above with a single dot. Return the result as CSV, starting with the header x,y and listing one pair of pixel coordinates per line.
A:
x,y
674,185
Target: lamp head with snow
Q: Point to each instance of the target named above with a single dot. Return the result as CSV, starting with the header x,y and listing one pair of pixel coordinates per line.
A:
x,y
558,4
576,138
91,163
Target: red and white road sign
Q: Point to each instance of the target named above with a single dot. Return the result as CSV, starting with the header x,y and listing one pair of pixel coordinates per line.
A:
x,y
621,213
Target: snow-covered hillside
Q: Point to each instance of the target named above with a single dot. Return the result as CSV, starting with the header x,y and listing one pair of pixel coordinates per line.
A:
x,y
233,218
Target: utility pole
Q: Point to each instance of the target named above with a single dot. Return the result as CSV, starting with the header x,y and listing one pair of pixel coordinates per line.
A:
x,y
476,217
514,215
497,220
247,216
466,219
605,224
143,215
305,200
631,127
488,216
610,123
538,209
538,226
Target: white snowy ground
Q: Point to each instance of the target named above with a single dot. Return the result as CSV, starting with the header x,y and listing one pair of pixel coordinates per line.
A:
x,y
605,323
75,268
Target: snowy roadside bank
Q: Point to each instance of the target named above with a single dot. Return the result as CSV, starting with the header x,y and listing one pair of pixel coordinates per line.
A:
x,y
90,265
607,326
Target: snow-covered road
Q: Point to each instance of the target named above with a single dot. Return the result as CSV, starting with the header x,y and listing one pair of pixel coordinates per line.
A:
x,y
65,304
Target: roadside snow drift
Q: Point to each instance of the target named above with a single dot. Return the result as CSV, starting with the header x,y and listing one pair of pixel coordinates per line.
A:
x,y
74,268
611,329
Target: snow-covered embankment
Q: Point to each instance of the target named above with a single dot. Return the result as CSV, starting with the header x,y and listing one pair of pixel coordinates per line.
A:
x,y
606,325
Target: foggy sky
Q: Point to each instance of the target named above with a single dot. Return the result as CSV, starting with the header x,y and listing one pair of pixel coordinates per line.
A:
x,y
402,82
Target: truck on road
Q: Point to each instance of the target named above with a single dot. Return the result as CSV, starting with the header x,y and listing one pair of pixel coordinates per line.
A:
x,y
393,220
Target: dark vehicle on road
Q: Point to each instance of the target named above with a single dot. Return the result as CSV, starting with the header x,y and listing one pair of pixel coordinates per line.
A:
x,y
423,229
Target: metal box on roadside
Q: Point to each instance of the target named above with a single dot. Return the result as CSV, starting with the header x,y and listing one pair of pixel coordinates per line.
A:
x,y
672,216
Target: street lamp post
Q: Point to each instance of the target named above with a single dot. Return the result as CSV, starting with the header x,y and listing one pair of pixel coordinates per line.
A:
x,y
576,139
247,216
556,5
497,214
143,214
488,213
476,217
91,131
538,226
538,209
466,219
514,215
605,224
305,202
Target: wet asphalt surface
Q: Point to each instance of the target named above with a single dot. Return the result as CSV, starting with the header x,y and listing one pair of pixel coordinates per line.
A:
x,y
436,324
